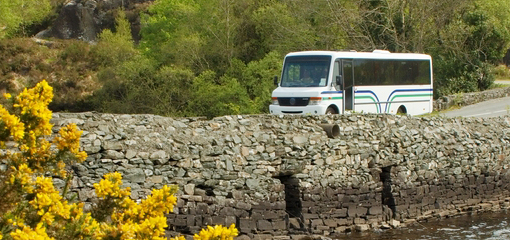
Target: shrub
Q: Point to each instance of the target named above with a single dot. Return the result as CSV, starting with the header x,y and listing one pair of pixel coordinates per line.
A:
x,y
32,208
502,72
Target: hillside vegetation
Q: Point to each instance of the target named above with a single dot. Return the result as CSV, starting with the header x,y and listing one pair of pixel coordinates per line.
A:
x,y
210,58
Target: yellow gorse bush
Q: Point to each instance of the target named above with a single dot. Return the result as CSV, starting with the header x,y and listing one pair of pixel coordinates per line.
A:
x,y
32,208
217,232
145,220
27,233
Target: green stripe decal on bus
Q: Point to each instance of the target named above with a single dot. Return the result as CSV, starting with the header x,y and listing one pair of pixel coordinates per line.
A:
x,y
407,96
369,97
332,98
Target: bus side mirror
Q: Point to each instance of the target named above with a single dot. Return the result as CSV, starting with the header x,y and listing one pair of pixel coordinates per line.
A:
x,y
339,82
275,80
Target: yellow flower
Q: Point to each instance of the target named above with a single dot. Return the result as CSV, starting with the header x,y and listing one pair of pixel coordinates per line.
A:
x,y
12,124
30,128
7,96
217,232
69,138
110,186
23,176
160,201
178,238
29,234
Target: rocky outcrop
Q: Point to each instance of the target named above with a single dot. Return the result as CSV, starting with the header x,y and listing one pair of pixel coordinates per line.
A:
x,y
85,19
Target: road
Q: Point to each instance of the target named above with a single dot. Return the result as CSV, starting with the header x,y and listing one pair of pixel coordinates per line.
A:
x,y
492,108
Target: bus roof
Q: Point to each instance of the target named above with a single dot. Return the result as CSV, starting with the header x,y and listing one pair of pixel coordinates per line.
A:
x,y
376,54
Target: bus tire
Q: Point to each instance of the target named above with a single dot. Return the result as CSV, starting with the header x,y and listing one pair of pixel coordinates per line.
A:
x,y
330,110
402,110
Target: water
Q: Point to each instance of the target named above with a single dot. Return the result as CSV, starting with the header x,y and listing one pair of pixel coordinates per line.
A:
x,y
489,226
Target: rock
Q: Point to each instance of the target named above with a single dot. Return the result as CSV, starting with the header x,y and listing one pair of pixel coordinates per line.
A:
x,y
85,19
362,227
394,223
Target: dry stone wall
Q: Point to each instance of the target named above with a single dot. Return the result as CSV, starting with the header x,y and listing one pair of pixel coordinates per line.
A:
x,y
464,99
281,176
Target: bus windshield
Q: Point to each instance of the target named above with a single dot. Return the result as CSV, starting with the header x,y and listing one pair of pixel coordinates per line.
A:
x,y
306,71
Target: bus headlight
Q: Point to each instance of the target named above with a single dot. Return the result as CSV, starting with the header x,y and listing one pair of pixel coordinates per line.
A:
x,y
315,101
275,101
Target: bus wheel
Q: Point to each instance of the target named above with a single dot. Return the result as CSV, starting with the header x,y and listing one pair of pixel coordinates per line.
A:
x,y
402,110
330,111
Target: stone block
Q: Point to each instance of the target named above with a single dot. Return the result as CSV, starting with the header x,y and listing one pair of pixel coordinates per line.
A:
x,y
256,215
331,222
345,221
207,220
261,236
218,220
247,225
316,222
280,225
270,215
375,210
190,220
355,211
339,213
241,213
202,208
299,237
310,216
362,227
243,206
295,223
199,221
264,225
229,220
180,221
227,211
359,221
243,237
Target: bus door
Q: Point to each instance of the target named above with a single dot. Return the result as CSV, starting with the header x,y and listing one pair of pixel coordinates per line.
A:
x,y
348,81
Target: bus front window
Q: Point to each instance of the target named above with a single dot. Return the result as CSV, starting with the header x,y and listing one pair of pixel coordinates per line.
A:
x,y
306,71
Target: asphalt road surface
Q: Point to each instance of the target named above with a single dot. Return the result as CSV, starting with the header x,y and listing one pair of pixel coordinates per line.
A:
x,y
492,108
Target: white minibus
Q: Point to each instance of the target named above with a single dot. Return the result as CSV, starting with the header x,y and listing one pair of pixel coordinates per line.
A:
x,y
336,82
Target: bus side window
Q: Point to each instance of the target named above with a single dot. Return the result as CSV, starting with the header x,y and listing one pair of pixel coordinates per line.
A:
x,y
336,72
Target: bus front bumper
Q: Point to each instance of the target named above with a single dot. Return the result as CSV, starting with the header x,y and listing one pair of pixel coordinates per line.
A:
x,y
311,110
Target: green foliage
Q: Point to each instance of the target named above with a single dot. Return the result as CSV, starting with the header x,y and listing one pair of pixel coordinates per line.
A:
x,y
258,80
117,95
116,47
17,13
282,30
216,97
468,66
236,48
137,86
165,32
502,72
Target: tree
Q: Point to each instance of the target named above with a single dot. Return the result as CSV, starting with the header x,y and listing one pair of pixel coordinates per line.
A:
x,y
116,47
257,78
168,34
469,44
283,31
212,96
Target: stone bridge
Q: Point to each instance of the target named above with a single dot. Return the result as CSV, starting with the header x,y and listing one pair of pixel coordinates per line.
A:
x,y
281,177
